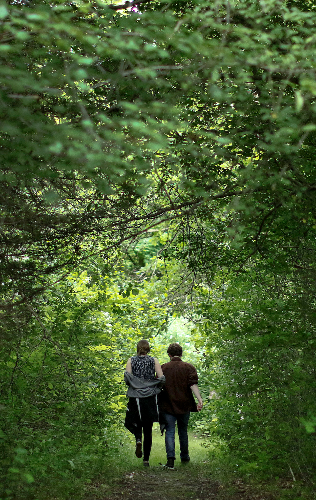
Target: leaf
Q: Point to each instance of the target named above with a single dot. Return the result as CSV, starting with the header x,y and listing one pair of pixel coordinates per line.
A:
x,y
57,147
299,101
28,477
310,425
14,470
3,12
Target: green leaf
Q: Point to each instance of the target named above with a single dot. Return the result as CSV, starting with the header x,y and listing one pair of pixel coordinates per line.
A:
x,y
56,148
3,11
299,101
28,477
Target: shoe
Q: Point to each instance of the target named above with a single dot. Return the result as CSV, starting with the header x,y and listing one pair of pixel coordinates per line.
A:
x,y
138,451
185,460
145,463
170,463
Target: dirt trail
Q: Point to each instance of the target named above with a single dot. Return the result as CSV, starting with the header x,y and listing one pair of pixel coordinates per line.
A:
x,y
160,483
190,481
187,482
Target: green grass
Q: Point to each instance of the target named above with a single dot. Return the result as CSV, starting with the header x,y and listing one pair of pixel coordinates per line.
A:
x,y
211,463
198,453
123,461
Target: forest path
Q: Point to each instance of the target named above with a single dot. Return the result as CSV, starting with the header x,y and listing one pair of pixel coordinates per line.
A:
x,y
160,483
132,481
196,480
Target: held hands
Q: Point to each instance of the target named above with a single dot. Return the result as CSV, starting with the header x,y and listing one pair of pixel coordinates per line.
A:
x,y
200,405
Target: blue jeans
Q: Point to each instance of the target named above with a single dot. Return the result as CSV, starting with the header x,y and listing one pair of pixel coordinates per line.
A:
x,y
182,421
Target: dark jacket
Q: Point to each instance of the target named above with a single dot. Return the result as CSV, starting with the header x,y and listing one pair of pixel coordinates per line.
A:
x,y
176,396
142,407
141,388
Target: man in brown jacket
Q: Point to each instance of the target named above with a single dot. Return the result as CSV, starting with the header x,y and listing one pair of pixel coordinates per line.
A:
x,y
177,401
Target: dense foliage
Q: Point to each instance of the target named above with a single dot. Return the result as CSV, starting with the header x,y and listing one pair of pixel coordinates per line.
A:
x,y
157,160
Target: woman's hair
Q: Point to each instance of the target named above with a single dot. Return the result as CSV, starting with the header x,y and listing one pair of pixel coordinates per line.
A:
x,y
175,350
143,347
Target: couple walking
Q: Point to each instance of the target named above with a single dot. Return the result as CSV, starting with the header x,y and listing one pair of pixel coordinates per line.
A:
x,y
161,394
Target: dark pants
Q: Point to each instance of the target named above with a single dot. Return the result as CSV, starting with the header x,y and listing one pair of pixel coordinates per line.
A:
x,y
182,421
146,430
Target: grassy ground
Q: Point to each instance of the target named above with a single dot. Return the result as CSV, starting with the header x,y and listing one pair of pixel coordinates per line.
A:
x,y
129,479
198,453
210,475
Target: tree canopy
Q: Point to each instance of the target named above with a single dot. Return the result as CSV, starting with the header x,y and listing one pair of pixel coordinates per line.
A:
x,y
115,120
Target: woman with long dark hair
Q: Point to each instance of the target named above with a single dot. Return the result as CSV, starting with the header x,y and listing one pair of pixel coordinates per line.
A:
x,y
144,377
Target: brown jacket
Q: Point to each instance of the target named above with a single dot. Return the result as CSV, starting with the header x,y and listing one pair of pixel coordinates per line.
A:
x,y
176,396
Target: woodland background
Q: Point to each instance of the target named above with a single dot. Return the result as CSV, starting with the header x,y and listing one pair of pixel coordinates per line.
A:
x,y
157,181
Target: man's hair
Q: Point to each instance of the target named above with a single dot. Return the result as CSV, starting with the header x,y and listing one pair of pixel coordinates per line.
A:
x,y
143,347
175,349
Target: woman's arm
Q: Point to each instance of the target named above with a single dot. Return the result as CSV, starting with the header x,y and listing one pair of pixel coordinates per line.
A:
x,y
158,368
129,366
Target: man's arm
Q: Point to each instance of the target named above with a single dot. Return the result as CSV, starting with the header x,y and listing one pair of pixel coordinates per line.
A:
x,y
196,392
